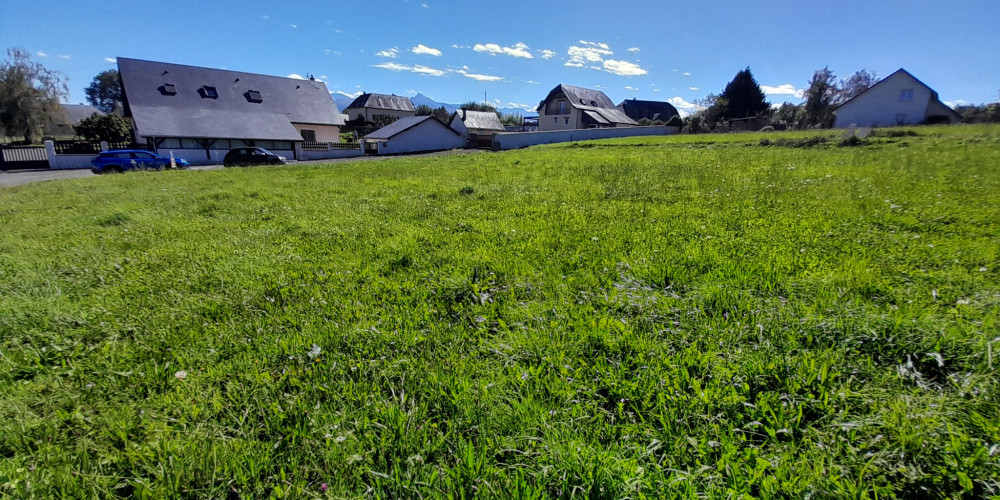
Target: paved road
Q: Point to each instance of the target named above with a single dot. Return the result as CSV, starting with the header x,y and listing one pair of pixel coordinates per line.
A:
x,y
18,177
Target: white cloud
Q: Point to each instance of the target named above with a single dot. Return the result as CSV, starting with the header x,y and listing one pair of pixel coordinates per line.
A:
x,y
786,89
265,17
657,90
478,77
591,52
62,56
531,82
629,87
425,6
956,103
294,26
623,68
519,49
295,76
548,54
692,88
110,59
423,70
354,95
422,49
41,54
633,49
685,108
390,53
687,74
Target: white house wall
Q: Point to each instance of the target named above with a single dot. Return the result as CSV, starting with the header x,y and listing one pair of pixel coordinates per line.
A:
x,y
324,133
426,136
881,105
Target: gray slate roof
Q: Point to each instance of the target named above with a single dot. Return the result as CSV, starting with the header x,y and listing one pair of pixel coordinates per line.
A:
x,y
402,125
382,101
484,120
653,110
76,113
595,101
234,114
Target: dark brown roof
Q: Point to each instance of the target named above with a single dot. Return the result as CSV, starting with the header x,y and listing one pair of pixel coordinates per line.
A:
x,y
382,101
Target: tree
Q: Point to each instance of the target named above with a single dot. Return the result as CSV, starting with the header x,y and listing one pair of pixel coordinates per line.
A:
x,y
820,97
792,115
440,113
105,91
854,85
744,97
98,127
29,94
424,110
479,106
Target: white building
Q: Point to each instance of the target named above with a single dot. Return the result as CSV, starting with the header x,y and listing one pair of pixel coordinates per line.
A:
x,y
898,99
413,134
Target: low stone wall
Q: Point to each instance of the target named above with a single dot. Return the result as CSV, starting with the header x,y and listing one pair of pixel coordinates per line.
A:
x,y
516,140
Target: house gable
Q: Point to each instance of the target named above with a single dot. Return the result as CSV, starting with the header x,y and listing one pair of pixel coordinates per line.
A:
x,y
898,99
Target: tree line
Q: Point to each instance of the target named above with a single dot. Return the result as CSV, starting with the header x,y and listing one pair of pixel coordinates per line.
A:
x,y
30,95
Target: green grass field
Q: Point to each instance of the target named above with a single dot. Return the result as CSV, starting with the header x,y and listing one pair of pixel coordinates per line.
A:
x,y
653,317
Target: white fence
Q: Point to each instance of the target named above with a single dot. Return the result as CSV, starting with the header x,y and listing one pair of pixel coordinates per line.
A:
x,y
516,140
330,150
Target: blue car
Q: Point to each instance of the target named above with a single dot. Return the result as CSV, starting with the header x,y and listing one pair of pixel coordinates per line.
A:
x,y
123,160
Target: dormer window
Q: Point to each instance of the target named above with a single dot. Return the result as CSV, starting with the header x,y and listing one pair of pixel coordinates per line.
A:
x,y
168,89
254,96
208,92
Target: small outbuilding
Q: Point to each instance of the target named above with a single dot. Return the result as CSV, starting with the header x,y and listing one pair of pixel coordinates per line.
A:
x,y
413,134
478,126
898,99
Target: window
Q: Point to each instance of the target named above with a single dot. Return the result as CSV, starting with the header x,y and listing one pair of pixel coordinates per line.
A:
x,y
906,95
308,135
170,144
168,89
208,92
562,107
567,120
282,145
142,156
220,144
254,96
265,144
190,144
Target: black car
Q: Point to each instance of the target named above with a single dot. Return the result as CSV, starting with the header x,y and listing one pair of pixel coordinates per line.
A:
x,y
242,157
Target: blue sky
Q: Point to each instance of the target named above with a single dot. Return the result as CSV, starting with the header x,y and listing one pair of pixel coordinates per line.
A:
x,y
516,51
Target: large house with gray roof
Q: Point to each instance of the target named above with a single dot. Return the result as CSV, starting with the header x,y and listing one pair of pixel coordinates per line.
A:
x,y
372,108
898,99
200,113
568,108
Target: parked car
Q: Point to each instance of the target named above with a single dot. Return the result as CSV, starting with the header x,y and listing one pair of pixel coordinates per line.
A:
x,y
123,160
242,157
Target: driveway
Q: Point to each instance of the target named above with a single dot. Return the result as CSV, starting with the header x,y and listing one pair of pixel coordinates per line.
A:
x,y
18,177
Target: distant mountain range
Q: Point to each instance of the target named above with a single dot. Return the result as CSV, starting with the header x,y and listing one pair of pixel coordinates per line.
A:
x,y
343,101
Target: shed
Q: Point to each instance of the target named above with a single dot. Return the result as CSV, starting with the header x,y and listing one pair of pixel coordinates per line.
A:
x,y
413,134
478,126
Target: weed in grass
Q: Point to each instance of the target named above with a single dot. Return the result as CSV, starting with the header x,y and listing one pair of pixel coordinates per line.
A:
x,y
670,316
